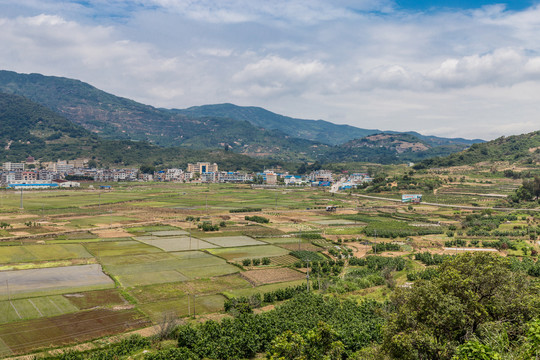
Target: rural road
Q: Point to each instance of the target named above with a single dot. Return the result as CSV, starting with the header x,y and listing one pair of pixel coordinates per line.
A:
x,y
449,205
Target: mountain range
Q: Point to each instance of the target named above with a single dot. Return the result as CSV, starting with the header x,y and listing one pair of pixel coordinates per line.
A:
x,y
30,129
250,131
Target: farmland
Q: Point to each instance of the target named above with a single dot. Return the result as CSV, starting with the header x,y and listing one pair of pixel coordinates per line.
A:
x,y
91,263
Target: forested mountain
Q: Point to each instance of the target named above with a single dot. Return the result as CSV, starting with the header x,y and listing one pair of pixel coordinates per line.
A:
x,y
30,129
316,130
523,148
389,148
113,117
246,130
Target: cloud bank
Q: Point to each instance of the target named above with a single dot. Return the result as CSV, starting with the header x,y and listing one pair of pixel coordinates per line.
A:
x,y
469,73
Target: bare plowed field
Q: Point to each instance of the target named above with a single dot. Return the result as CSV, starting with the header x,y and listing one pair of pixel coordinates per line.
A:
x,y
64,329
232,241
269,276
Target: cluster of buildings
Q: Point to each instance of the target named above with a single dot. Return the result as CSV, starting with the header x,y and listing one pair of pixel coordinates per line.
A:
x,y
66,173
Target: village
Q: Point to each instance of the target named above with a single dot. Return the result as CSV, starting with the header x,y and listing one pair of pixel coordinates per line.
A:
x,y
68,173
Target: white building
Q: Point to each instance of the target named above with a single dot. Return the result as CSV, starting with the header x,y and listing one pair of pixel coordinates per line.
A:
x,y
9,166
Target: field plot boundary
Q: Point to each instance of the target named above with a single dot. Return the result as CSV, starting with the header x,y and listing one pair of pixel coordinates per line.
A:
x,y
202,304
68,328
246,252
61,279
44,307
4,349
271,276
180,243
234,241
169,233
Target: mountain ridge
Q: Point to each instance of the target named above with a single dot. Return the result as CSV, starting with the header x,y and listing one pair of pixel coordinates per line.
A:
x,y
523,148
239,129
31,129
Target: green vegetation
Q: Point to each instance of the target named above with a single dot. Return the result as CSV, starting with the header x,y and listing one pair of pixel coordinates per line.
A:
x,y
35,130
515,148
244,130
469,298
161,271
257,219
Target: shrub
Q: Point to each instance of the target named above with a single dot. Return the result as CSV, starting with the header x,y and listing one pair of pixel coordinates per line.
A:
x,y
257,219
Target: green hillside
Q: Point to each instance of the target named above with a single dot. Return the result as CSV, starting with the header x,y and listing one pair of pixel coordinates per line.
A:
x,y
29,129
389,148
523,149
315,130
113,117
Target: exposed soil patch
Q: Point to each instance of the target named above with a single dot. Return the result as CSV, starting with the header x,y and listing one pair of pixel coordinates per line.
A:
x,y
111,233
359,250
268,276
301,246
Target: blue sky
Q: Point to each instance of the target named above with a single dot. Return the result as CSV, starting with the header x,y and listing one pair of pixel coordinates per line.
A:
x,y
424,5
468,69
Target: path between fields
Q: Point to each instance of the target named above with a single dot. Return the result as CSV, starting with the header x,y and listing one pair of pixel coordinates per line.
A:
x,y
449,205
55,233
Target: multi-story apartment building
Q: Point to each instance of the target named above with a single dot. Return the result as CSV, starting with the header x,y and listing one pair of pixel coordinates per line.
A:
x,y
202,167
9,166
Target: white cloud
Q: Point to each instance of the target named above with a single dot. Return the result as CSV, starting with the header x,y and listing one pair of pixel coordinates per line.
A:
x,y
374,66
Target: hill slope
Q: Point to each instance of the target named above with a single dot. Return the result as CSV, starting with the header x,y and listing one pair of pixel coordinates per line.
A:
x,y
30,129
247,130
114,117
387,148
315,130
523,148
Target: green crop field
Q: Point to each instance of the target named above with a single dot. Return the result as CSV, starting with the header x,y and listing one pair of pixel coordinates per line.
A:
x,y
262,289
33,308
355,230
146,269
169,233
248,252
183,307
178,243
99,220
119,248
32,253
284,240
208,286
150,229
60,275
234,241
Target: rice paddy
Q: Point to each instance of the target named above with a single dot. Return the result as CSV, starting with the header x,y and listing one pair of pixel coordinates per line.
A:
x,y
124,259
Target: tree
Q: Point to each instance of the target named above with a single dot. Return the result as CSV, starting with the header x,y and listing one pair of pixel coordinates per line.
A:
x,y
434,317
147,169
533,187
92,164
302,169
319,343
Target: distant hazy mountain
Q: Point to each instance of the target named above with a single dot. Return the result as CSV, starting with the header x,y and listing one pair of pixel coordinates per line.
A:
x,y
247,130
315,130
